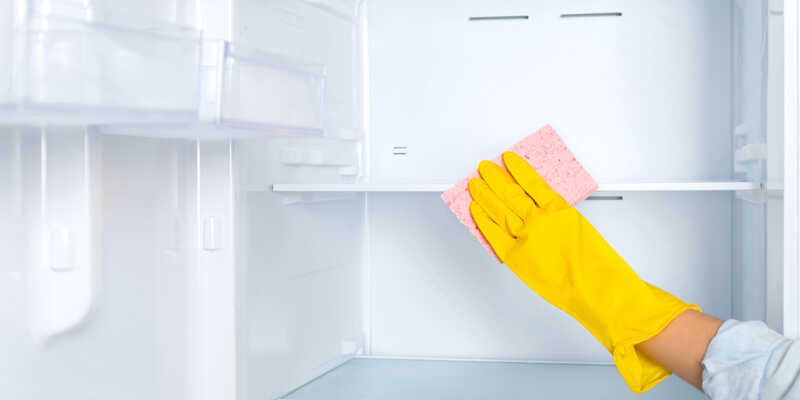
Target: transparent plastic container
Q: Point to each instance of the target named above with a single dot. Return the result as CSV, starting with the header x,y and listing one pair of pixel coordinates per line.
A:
x,y
270,91
130,13
249,93
62,63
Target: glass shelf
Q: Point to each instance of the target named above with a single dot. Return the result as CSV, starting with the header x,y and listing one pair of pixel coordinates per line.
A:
x,y
441,187
376,378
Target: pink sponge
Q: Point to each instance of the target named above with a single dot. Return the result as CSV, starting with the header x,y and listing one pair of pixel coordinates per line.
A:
x,y
550,157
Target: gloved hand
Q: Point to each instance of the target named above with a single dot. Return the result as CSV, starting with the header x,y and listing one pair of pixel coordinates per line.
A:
x,y
551,247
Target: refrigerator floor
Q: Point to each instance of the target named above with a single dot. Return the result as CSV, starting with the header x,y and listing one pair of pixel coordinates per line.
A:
x,y
370,378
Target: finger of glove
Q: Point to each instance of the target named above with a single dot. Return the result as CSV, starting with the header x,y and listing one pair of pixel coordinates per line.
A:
x,y
497,237
496,208
533,183
506,188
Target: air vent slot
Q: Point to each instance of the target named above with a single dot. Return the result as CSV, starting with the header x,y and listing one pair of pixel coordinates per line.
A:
x,y
604,198
589,15
498,18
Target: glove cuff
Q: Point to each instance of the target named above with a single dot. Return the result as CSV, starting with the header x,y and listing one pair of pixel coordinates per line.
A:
x,y
639,371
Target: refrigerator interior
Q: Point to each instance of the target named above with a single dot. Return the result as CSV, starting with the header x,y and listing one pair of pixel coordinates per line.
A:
x,y
257,213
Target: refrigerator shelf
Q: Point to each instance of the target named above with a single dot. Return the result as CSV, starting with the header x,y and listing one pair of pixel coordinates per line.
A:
x,y
385,378
57,69
604,187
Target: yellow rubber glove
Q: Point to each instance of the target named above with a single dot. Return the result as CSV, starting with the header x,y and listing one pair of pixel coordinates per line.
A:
x,y
551,247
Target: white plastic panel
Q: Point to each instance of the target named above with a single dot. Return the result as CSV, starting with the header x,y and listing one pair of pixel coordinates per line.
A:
x,y
775,184
640,97
436,293
303,291
134,342
749,88
14,228
751,148
64,273
749,261
302,264
214,304
791,210
6,51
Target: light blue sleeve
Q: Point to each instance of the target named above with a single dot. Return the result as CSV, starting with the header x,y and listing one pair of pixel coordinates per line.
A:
x,y
747,360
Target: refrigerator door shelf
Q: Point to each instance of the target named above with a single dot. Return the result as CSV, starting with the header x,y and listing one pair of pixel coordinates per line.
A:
x,y
268,91
248,93
58,70
128,13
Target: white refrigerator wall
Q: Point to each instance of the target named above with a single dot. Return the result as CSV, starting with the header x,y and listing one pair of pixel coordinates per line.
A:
x,y
130,341
301,260
642,97
436,293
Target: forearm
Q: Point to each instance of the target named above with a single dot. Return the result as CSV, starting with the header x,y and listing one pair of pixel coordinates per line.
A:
x,y
681,346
